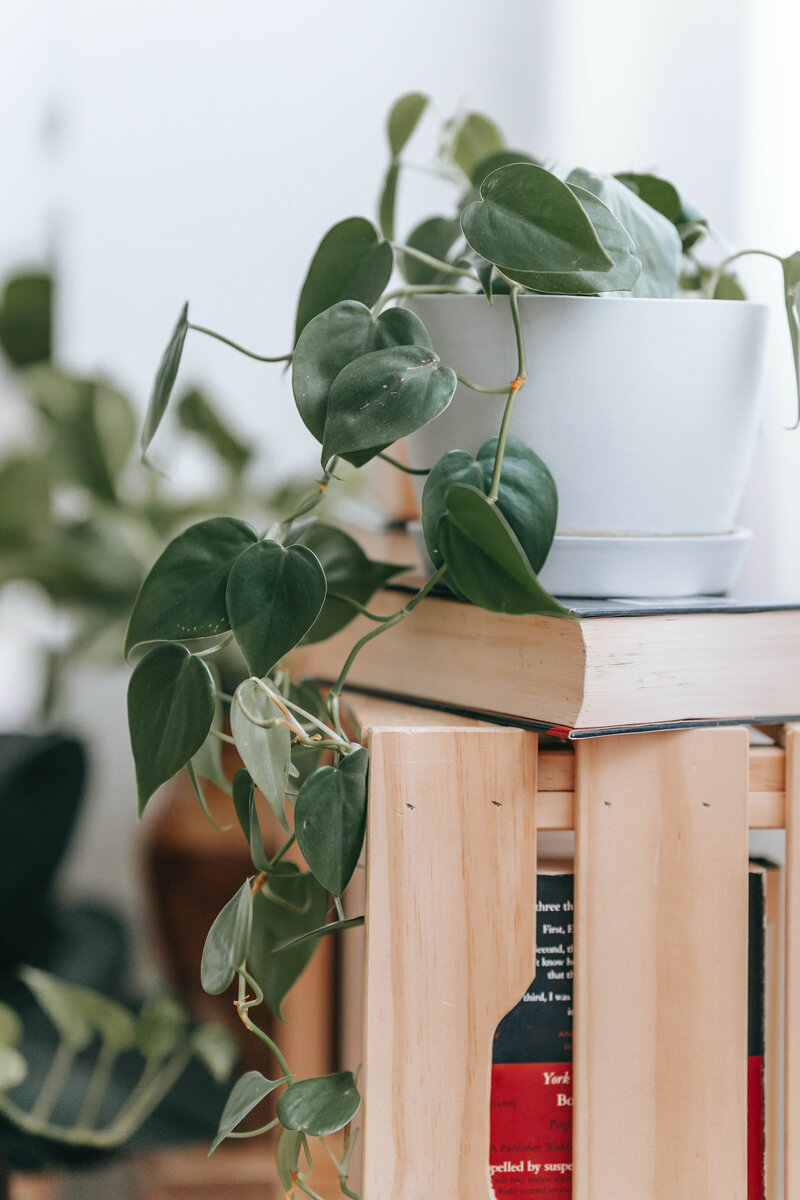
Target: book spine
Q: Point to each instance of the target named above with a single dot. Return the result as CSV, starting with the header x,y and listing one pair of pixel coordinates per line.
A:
x,y
531,1099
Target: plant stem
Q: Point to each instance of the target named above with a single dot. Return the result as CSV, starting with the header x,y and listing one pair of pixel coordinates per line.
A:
x,y
242,1007
273,862
421,289
429,260
478,387
726,262
226,641
515,386
235,346
395,462
251,1133
101,1077
281,701
54,1083
339,910
219,735
395,619
311,500
365,612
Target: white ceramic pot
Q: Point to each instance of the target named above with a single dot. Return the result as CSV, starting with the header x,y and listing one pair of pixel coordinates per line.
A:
x,y
646,411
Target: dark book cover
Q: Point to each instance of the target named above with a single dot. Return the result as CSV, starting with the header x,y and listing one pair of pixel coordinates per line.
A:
x,y
532,1102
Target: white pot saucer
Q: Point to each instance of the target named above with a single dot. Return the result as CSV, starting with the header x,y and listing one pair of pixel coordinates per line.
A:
x,y
598,566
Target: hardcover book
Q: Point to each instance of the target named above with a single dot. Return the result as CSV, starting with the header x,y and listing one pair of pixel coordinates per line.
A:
x,y
532,1099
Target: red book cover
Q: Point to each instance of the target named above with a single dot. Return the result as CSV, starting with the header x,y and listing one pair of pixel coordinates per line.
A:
x,y
532,1103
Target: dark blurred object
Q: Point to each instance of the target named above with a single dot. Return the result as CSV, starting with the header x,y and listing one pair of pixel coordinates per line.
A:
x,y
26,318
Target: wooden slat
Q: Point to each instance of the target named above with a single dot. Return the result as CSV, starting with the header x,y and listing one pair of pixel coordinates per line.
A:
x,y
792,966
661,967
451,928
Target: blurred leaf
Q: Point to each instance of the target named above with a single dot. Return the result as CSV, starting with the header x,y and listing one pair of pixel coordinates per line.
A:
x,y
266,753
334,339
84,562
484,557
225,948
436,237
183,596
245,1095
476,138
171,703
10,1026
348,571
383,396
274,595
13,1068
655,240
26,318
330,819
388,201
527,496
529,220
60,1001
112,1022
404,116
351,263
617,241
287,1157
24,500
320,1106
286,908
161,1026
197,414
791,282
728,287
165,379
207,762
217,1050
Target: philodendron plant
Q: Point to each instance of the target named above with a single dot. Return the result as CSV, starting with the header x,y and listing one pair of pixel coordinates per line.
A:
x,y
365,374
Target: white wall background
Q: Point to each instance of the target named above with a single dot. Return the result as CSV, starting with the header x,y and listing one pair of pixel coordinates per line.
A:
x,y
160,150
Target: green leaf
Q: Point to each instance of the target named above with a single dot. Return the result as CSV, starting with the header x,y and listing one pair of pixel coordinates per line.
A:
x,y
320,1106
10,1026
26,318
323,931
351,263
527,496
226,945
275,594
217,1050
245,1095
620,278
165,379
24,500
207,762
286,908
161,1026
476,138
13,1068
655,240
404,116
247,815
265,752
335,338
484,557
348,571
287,1157
330,819
110,1020
307,694
497,159
436,237
665,198
183,596
728,287
59,1001
791,282
171,702
197,414
485,271
388,201
529,220
383,396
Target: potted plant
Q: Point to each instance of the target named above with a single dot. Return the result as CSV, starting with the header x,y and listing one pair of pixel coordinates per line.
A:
x,y
511,281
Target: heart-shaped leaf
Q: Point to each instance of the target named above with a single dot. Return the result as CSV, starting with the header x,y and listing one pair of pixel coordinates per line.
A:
x,y
404,116
655,240
274,596
171,703
330,819
183,596
320,1106
485,559
791,283
529,220
496,160
336,337
225,948
617,241
665,198
527,496
350,263
266,751
165,379
217,1050
291,905
245,1095
348,571
476,138
383,396
436,237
